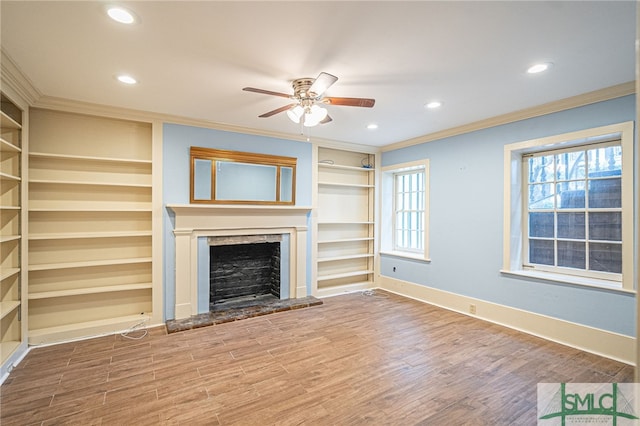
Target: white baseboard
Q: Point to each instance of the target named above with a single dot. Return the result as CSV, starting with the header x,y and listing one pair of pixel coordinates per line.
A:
x,y
594,340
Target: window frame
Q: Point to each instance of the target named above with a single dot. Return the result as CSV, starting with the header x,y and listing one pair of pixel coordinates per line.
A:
x,y
515,225
388,214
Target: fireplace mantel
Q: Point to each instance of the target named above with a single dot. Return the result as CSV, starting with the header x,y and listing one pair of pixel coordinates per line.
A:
x,y
197,216
194,220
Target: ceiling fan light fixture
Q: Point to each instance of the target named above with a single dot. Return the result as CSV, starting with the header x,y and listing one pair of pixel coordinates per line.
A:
x,y
295,113
314,115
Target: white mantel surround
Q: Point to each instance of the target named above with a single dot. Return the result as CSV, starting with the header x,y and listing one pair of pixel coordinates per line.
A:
x,y
198,220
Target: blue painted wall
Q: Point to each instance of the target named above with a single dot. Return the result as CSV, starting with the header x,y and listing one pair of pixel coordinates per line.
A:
x,y
466,199
177,139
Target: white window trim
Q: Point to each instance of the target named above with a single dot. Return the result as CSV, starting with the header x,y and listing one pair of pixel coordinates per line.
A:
x,y
513,207
387,197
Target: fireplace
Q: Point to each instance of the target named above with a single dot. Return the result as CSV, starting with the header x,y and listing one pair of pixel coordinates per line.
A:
x,y
194,224
244,268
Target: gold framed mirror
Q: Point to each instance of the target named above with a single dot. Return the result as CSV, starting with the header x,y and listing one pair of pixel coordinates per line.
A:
x,y
234,177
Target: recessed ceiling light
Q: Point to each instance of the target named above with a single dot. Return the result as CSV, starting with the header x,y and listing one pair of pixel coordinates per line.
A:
x,y
121,15
126,79
372,126
433,104
538,68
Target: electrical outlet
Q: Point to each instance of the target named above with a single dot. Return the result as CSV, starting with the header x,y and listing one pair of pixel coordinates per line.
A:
x,y
472,309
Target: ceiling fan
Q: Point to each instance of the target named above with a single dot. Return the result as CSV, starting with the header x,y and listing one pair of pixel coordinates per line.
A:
x,y
308,95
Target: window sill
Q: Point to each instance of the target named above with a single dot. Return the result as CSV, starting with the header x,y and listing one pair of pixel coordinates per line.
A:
x,y
569,279
412,256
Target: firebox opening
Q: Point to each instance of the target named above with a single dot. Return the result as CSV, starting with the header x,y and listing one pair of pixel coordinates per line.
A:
x,y
240,272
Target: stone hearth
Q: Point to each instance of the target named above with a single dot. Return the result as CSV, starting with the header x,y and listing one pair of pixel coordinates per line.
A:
x,y
234,311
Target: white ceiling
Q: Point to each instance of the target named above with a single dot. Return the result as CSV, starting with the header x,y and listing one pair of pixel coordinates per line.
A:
x,y
192,59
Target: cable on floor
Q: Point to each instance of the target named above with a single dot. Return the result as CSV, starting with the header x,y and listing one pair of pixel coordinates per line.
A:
x,y
372,293
140,326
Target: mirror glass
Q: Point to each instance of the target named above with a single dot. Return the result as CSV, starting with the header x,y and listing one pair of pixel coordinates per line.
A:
x,y
286,183
202,178
241,181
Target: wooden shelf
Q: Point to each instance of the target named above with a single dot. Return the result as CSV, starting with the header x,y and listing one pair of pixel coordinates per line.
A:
x,y
346,222
90,215
13,285
6,146
78,235
7,176
7,122
345,275
88,158
345,253
345,240
7,307
347,257
87,183
91,290
346,185
8,272
342,167
87,264
7,238
87,209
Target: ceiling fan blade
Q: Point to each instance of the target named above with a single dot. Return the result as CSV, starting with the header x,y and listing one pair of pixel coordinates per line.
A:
x,y
266,92
357,102
322,83
326,120
276,111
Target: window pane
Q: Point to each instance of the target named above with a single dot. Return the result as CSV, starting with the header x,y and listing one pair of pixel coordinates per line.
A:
x,y
398,238
541,225
571,254
407,200
541,169
605,193
605,161
541,196
571,225
571,195
570,165
605,257
605,226
541,252
420,186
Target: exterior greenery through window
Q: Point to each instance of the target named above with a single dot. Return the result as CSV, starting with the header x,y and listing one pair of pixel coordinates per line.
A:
x,y
574,209
409,211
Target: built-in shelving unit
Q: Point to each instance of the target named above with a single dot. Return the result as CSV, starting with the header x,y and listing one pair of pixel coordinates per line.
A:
x,y
90,225
12,331
345,244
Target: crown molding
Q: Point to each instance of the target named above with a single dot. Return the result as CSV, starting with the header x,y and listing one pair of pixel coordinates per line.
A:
x,y
13,78
605,94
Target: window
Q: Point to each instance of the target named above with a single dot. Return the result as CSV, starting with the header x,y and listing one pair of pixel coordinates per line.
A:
x,y
574,196
405,199
408,211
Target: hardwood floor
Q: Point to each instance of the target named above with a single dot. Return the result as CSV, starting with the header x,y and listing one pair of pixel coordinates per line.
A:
x,y
356,359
